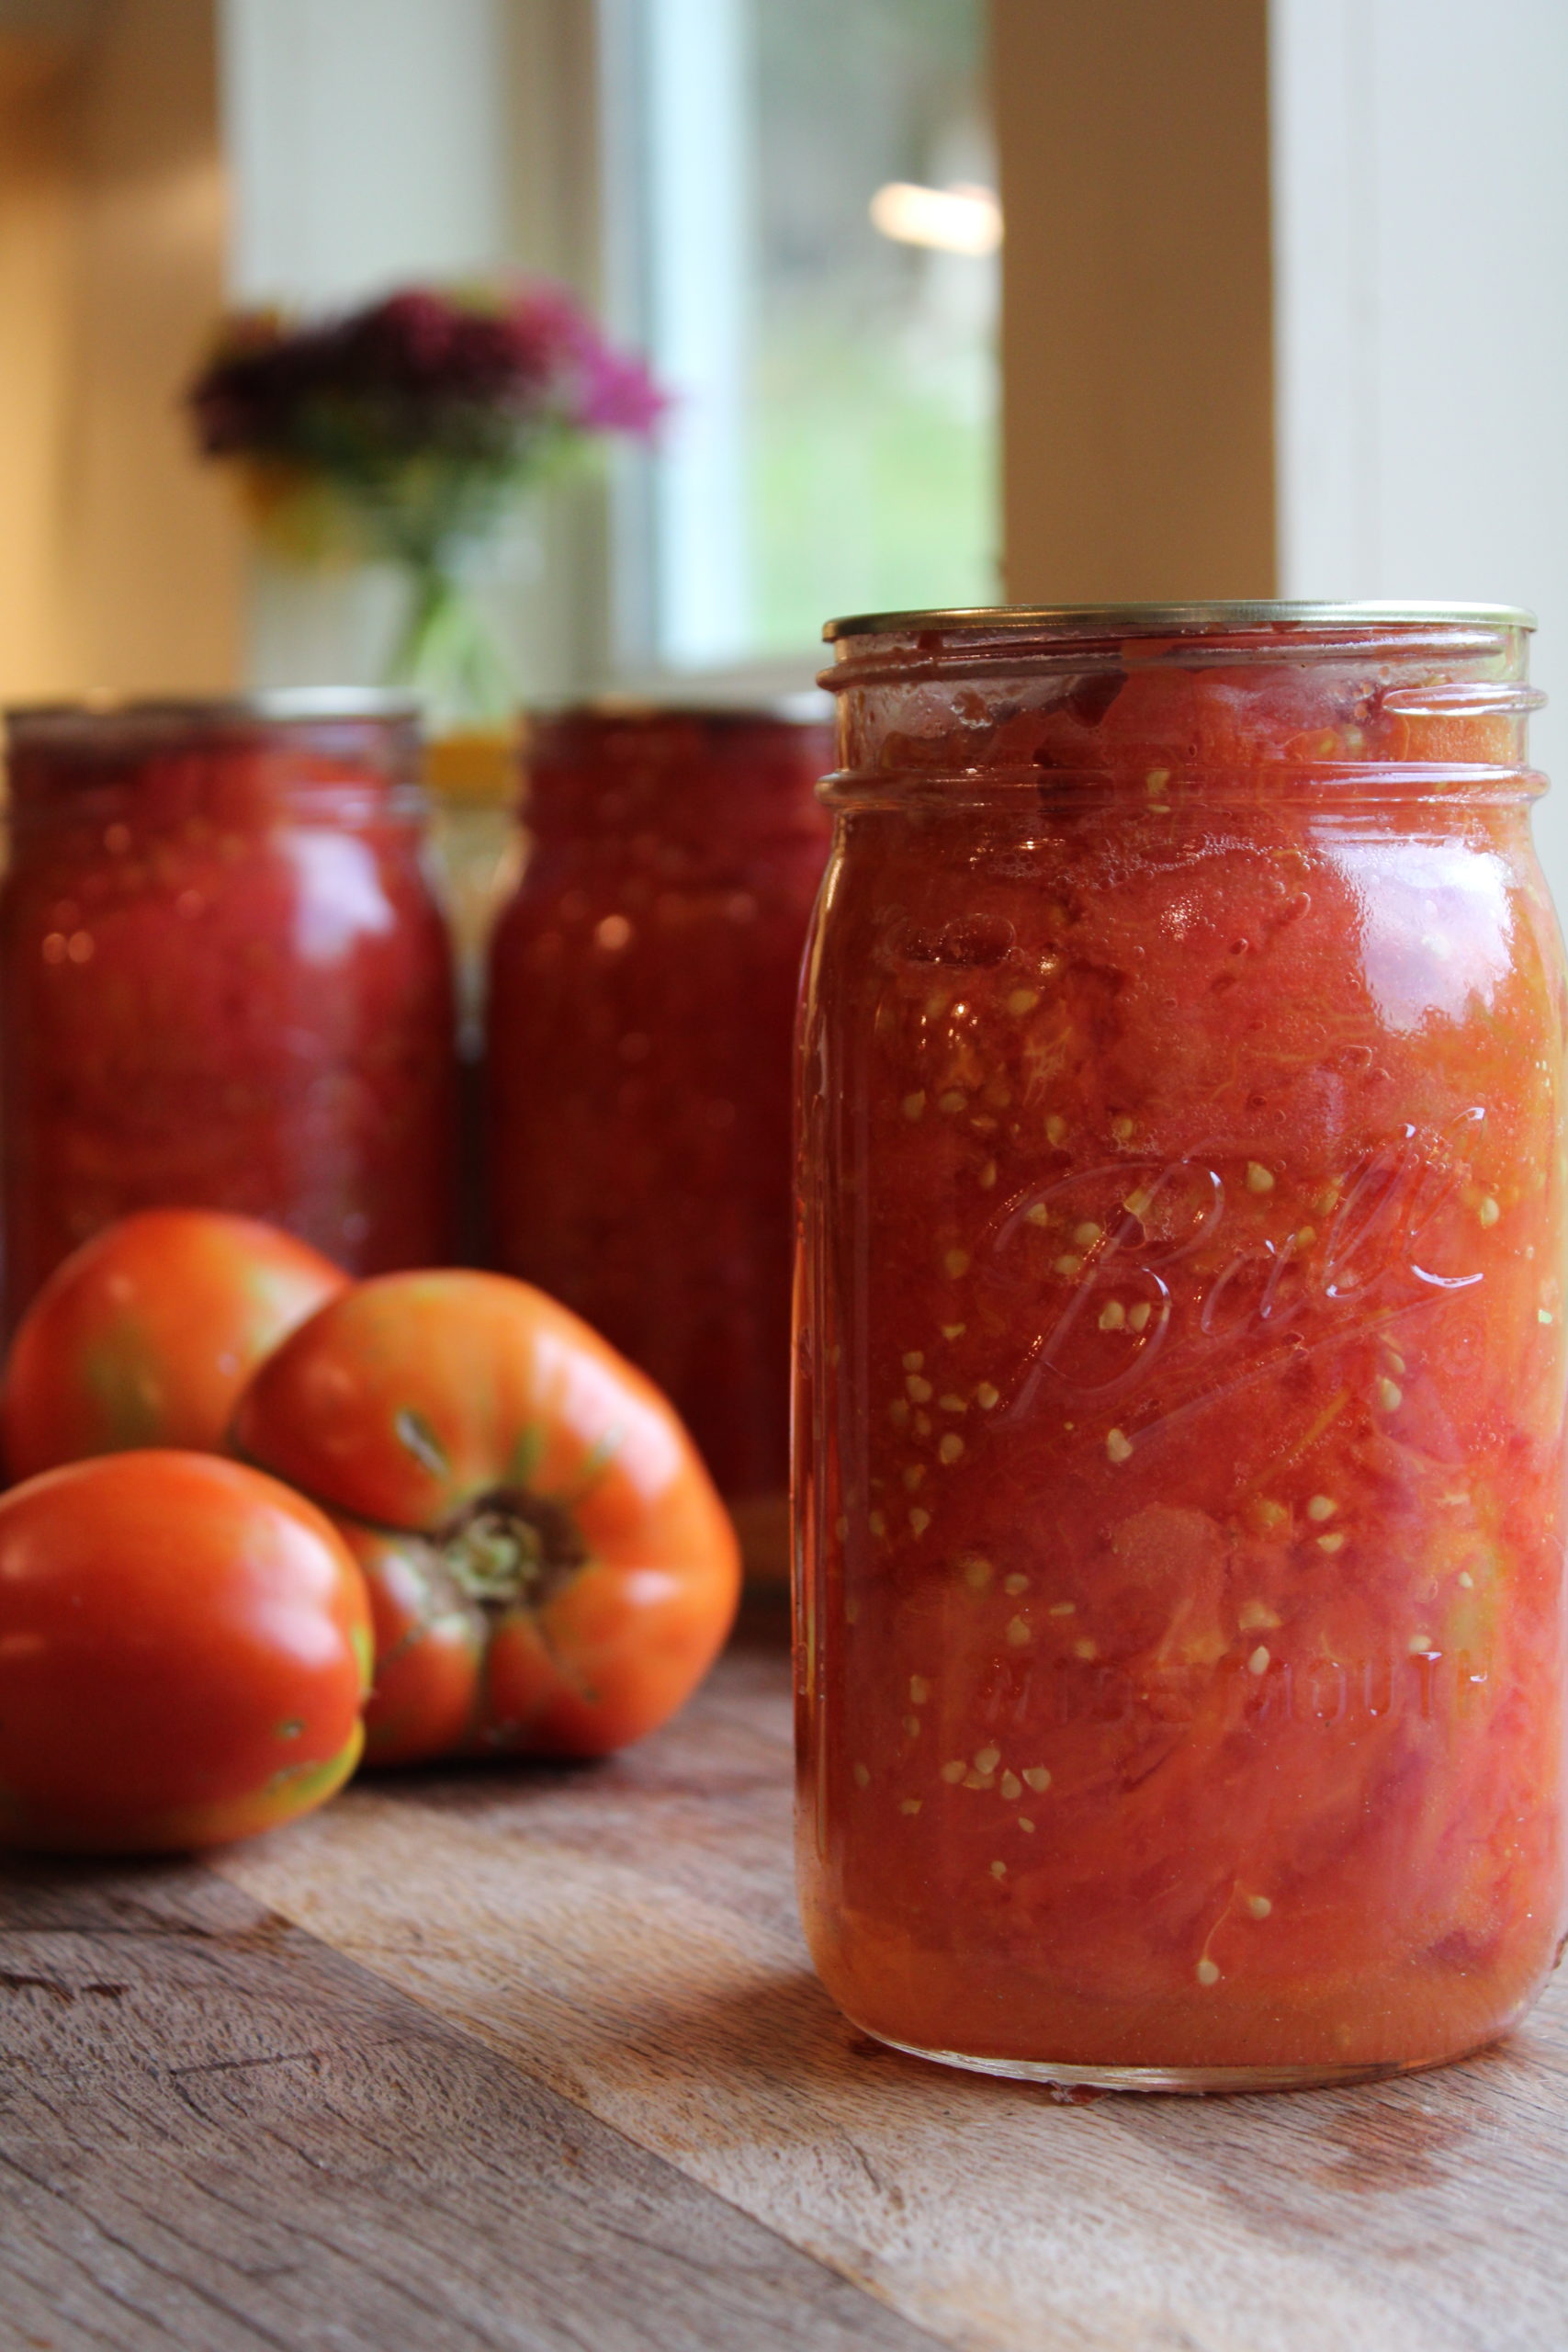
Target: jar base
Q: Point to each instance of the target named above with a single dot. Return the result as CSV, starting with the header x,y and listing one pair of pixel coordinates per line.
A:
x,y
1194,2082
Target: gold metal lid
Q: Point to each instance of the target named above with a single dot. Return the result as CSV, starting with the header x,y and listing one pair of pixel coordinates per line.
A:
x,y
1162,620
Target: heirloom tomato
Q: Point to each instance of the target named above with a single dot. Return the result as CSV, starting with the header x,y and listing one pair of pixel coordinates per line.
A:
x,y
184,1647
147,1333
550,1567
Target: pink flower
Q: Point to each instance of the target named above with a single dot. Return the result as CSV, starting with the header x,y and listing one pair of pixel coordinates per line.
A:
x,y
608,390
420,373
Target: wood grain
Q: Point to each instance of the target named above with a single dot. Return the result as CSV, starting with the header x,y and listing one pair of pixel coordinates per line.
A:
x,y
215,2133
626,1936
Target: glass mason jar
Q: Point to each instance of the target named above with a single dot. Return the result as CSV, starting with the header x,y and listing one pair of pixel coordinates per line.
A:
x,y
224,982
643,982
1180,1346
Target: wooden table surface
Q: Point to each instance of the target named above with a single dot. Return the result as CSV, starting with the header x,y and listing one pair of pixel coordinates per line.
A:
x,y
535,2059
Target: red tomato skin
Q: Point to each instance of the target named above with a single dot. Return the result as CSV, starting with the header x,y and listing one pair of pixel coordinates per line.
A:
x,y
147,1333
183,1653
638,1651
426,1700
405,1400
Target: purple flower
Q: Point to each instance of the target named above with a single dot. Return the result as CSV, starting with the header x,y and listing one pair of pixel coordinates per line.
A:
x,y
608,390
427,410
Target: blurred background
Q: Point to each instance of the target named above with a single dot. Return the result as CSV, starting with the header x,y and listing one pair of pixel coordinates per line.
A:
x,y
954,298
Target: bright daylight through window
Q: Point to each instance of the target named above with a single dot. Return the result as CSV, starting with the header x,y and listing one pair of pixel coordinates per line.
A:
x,y
814,239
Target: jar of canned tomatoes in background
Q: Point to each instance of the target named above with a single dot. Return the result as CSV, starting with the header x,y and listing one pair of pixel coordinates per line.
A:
x,y
1181,1620
224,982
643,983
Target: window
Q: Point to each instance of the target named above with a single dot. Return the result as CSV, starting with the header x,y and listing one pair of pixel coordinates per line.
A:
x,y
706,171
809,240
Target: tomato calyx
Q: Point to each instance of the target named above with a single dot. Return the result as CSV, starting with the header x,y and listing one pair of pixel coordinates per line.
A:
x,y
510,1549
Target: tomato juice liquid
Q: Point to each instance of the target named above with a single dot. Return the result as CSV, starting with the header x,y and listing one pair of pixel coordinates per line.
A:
x,y
224,980
1180,1629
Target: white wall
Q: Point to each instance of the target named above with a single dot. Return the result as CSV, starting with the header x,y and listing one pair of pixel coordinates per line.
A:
x,y
367,144
367,140
1420,169
377,142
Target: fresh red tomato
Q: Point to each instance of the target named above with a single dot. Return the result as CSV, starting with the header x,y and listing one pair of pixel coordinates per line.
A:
x,y
550,1567
147,1333
184,1647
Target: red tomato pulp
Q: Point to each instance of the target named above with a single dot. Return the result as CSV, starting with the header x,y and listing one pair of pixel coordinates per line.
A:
x,y
642,997
224,983
1182,1633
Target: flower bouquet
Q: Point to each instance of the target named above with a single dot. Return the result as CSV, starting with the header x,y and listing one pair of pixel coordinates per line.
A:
x,y
404,433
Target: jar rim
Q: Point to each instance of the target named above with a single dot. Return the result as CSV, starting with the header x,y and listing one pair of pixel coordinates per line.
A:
x,y
274,706
1160,620
808,708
